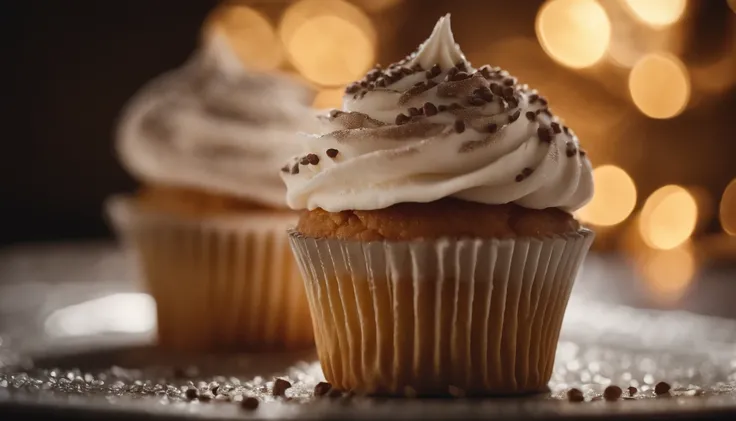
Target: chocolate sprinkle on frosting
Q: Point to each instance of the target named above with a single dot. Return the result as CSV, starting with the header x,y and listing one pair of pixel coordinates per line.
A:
x,y
531,115
459,126
313,159
476,101
402,119
304,160
295,169
556,127
433,72
492,128
413,111
544,134
570,150
332,153
515,116
352,88
429,109
285,168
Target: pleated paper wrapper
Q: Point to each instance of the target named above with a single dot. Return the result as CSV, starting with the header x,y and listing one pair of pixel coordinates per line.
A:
x,y
220,283
458,317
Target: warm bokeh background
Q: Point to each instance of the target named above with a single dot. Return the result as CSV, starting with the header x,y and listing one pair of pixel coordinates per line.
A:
x,y
648,85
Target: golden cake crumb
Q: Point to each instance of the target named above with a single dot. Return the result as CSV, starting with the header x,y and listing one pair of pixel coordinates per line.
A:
x,y
443,218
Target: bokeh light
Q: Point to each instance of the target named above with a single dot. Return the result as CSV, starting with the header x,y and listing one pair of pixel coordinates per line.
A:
x,y
576,33
328,98
250,34
728,208
668,273
657,12
376,5
330,42
614,199
659,85
668,217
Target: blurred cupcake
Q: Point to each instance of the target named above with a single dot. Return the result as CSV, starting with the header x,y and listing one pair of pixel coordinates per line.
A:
x,y
437,244
208,221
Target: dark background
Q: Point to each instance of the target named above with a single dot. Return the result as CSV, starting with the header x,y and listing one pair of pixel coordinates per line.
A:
x,y
70,66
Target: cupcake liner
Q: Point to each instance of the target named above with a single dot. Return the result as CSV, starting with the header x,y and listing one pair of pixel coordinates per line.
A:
x,y
226,282
468,316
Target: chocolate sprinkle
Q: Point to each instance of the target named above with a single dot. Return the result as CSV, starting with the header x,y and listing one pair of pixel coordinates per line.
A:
x,y
632,390
531,115
556,127
507,92
458,76
513,103
533,98
285,168
570,150
332,153
352,88
612,393
322,388
413,111
575,395
442,108
402,119
496,89
492,128
313,159
304,160
487,72
485,93
509,82
280,386
191,393
429,109
476,101
544,134
459,126
462,65
515,116
295,169
250,403
433,72
662,388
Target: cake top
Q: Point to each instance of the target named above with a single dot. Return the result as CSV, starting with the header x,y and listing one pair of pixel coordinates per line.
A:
x,y
432,126
214,125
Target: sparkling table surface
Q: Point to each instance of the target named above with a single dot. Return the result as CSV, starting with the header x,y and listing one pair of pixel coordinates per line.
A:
x,y
76,328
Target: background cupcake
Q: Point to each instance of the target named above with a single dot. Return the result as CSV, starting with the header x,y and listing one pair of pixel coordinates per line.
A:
x,y
206,142
437,245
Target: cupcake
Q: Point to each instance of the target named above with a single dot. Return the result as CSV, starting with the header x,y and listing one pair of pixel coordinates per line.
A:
x,y
436,238
207,222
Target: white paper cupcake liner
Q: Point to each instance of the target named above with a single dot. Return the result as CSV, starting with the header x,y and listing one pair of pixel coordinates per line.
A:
x,y
469,316
218,282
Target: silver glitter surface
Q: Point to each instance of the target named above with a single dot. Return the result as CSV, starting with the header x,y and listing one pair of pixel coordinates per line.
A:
x,y
111,368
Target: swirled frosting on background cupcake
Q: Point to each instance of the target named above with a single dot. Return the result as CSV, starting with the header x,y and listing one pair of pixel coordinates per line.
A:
x,y
214,125
431,126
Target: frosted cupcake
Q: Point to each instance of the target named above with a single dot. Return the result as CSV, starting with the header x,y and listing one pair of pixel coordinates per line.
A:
x,y
436,242
208,221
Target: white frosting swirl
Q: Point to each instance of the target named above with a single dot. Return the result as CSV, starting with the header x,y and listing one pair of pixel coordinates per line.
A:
x,y
418,132
215,126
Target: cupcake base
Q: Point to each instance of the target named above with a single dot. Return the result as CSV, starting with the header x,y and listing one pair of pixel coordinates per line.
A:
x,y
220,283
435,318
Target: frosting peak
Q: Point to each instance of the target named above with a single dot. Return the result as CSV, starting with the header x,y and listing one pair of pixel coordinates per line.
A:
x,y
440,48
430,127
